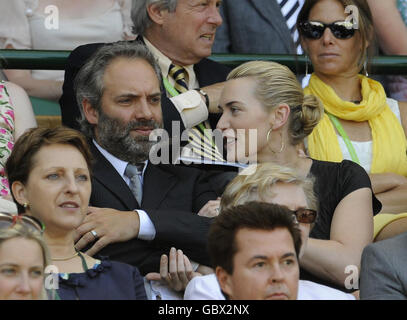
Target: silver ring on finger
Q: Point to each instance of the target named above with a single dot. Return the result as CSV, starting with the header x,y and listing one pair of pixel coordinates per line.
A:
x,y
94,234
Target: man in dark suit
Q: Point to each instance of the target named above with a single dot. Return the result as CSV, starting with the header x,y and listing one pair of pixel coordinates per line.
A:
x,y
119,93
265,28
178,32
383,273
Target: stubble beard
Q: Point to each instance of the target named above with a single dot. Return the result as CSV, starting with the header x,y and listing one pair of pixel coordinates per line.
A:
x,y
116,138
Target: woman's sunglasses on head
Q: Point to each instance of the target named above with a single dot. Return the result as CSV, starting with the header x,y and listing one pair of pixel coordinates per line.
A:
x,y
315,29
304,215
8,220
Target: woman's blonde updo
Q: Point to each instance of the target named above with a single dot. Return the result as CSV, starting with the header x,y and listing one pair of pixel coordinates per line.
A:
x,y
277,85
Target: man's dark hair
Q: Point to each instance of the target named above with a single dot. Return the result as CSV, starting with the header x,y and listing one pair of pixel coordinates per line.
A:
x,y
89,83
251,215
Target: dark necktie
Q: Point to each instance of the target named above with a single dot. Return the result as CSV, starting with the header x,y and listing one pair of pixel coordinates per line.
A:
x,y
134,173
290,10
202,144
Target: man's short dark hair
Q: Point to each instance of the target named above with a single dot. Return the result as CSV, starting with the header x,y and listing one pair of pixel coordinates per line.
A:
x,y
251,215
89,82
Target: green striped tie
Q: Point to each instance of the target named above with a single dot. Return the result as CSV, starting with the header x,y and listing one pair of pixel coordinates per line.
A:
x,y
202,144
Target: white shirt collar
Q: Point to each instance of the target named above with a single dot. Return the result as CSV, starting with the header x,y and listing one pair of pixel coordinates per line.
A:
x,y
117,163
164,62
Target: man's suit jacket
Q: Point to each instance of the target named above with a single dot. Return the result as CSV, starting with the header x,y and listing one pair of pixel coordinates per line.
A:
x,y
172,195
207,71
253,26
383,274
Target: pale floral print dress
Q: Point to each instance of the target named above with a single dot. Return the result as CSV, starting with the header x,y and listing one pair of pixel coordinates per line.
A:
x,y
6,136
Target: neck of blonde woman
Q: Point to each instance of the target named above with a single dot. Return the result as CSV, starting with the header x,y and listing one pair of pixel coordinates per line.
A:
x,y
291,157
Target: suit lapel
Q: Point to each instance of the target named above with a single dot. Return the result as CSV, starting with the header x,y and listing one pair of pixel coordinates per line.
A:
x,y
270,10
157,183
204,75
107,175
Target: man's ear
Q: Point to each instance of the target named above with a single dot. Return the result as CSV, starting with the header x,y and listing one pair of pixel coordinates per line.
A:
x,y
225,281
279,116
19,192
156,13
91,113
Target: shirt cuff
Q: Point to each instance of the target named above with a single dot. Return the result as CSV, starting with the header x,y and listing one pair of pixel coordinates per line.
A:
x,y
191,107
147,229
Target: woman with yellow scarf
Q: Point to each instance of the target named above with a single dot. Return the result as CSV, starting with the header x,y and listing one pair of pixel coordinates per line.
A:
x,y
360,122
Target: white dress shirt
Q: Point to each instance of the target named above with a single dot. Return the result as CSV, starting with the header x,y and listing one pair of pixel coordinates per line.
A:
x,y
147,229
189,104
207,288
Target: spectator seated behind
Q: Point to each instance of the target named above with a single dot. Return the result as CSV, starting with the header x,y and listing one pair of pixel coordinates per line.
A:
x,y
181,57
255,248
268,27
49,174
266,97
373,126
274,184
58,25
23,258
16,116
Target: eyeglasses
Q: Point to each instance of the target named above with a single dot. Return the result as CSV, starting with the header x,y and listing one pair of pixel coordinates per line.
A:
x,y
315,29
8,220
303,215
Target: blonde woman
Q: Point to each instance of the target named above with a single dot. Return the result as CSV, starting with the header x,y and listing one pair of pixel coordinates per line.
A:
x,y
266,97
270,183
23,258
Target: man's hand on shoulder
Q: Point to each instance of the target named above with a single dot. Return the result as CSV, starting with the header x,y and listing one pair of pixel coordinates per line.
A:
x,y
106,226
214,92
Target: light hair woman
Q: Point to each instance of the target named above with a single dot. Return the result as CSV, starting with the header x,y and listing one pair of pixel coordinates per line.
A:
x,y
270,183
266,98
23,259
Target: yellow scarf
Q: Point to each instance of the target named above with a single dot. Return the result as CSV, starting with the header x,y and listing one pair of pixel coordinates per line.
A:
x,y
389,140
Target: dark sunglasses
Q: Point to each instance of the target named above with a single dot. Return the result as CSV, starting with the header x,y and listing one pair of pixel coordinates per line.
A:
x,y
303,215
8,220
315,29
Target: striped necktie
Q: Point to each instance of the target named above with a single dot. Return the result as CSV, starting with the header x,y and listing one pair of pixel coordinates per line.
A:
x,y
201,143
134,173
290,10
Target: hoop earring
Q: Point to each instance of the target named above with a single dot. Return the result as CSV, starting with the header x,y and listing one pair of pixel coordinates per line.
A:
x,y
282,145
268,134
268,138
25,205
